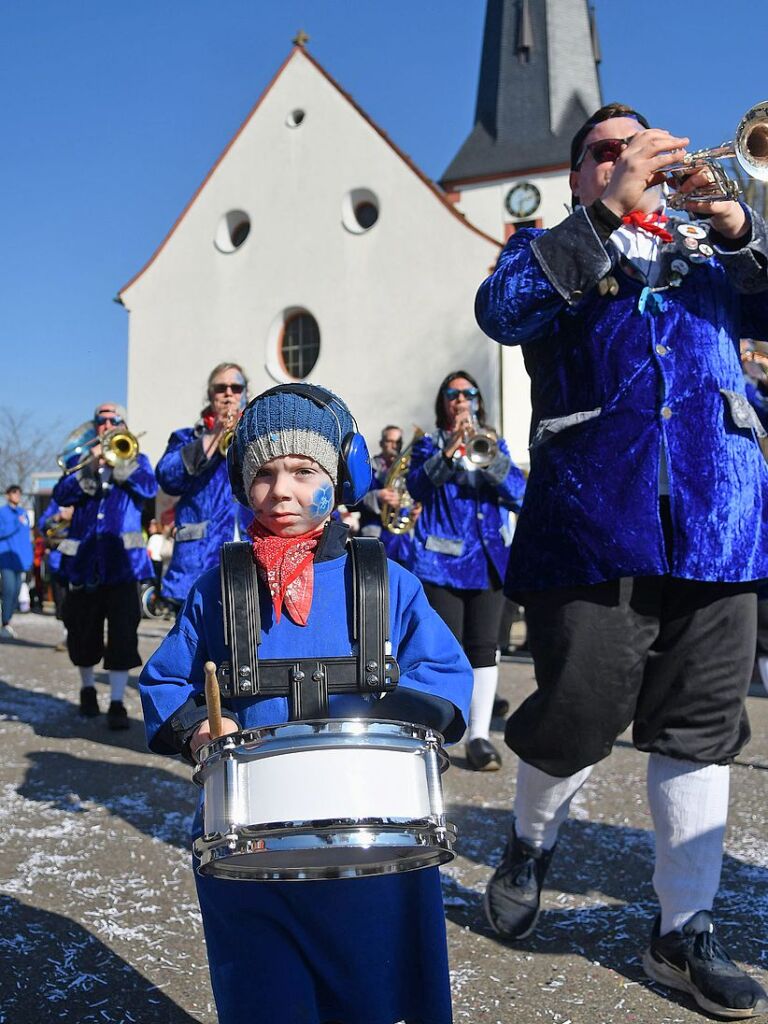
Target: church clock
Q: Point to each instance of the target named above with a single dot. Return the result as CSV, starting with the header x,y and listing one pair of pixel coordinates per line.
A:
x,y
523,199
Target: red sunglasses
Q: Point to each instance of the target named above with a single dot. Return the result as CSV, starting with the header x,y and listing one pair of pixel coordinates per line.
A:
x,y
604,151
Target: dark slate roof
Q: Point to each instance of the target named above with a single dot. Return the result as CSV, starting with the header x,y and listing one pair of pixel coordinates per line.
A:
x,y
520,70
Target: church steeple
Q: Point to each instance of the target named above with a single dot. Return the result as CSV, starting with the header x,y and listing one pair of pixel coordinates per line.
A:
x,y
538,83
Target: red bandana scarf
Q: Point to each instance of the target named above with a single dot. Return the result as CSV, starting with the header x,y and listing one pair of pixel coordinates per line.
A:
x,y
651,223
286,564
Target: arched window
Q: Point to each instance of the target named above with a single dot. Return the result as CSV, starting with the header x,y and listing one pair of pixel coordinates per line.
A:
x,y
300,345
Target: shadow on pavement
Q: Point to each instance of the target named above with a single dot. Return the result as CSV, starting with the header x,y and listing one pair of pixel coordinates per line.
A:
x,y
59,719
55,970
150,799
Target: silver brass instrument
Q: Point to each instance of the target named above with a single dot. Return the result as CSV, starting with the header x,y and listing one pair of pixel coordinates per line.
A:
x,y
480,444
118,445
749,148
78,448
400,518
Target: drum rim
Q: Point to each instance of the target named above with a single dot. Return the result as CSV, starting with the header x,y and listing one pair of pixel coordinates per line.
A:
x,y
434,841
389,728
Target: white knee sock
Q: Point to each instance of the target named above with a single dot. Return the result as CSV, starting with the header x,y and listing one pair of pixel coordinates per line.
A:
x,y
481,708
117,684
86,675
542,802
689,807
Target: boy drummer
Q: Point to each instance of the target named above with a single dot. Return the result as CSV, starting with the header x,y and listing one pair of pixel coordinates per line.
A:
x,y
306,951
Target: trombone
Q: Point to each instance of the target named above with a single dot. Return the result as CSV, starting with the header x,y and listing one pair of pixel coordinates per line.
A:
x,y
117,445
749,147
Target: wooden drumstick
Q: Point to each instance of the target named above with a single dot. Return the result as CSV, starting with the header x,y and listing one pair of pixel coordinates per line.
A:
x,y
213,700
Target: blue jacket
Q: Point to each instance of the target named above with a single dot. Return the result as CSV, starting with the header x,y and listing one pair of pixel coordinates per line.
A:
x,y
205,513
15,539
463,512
614,389
105,544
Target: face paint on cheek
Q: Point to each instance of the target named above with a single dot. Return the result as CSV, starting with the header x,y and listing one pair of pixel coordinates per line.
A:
x,y
322,502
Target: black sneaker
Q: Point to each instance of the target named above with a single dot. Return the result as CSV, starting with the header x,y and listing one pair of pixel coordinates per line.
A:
x,y
693,961
482,756
89,706
514,892
500,708
117,716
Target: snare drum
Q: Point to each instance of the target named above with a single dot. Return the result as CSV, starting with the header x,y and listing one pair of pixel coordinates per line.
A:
x,y
335,798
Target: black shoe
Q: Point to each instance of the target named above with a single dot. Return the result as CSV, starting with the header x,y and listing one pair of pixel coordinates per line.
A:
x,y
693,961
514,892
89,706
482,756
500,708
117,716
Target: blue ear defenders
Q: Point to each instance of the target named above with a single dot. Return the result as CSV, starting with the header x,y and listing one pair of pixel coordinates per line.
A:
x,y
355,474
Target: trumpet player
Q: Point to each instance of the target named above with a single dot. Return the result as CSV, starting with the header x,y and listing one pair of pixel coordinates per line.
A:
x,y
459,551
397,545
103,559
645,525
194,467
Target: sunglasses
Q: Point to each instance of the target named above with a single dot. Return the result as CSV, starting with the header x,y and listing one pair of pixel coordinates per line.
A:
x,y
453,393
604,151
221,389
101,420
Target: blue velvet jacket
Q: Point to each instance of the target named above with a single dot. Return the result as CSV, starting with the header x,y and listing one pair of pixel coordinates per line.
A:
x,y
105,544
463,513
205,513
612,388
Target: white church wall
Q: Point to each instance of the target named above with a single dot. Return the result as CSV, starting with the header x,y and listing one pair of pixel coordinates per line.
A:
x,y
394,304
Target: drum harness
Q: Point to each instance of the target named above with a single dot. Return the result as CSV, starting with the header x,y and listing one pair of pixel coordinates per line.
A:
x,y
307,682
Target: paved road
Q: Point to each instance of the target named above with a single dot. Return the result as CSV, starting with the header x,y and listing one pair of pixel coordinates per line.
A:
x,y
98,919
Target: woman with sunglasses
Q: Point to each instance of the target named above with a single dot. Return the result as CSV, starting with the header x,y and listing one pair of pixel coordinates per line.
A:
x,y
459,551
193,467
104,557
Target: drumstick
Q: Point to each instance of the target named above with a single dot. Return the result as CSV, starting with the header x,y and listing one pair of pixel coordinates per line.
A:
x,y
213,699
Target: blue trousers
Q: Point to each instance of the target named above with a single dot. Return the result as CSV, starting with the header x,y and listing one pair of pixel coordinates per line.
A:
x,y
9,596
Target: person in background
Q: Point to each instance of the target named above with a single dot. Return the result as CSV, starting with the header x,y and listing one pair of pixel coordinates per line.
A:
x,y
104,557
155,550
16,556
54,524
194,467
459,552
397,545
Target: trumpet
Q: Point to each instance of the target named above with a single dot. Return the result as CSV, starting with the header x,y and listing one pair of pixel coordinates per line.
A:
x,y
228,436
749,147
401,517
480,444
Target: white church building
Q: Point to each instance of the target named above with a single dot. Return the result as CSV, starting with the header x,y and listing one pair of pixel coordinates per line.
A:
x,y
316,250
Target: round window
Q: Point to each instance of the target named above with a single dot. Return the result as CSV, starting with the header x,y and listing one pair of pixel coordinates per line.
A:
x,y
233,229
300,345
295,118
359,210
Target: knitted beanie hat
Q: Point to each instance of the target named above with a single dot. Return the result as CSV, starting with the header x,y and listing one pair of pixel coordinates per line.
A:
x,y
285,423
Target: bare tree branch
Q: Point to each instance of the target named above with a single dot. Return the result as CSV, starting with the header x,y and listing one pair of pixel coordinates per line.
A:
x,y
25,448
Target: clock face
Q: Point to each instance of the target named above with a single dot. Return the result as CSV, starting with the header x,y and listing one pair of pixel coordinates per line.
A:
x,y
523,199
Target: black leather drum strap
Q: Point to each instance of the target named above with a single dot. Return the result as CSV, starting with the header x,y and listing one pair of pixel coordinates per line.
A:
x,y
307,682
242,619
370,625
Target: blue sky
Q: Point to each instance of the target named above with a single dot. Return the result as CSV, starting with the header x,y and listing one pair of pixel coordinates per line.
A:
x,y
112,114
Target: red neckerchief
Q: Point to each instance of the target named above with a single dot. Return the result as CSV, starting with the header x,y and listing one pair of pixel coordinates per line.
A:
x,y
286,564
648,222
